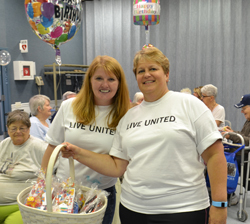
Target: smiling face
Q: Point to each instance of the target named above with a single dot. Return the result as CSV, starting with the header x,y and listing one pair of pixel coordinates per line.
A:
x,y
104,87
18,132
246,111
151,79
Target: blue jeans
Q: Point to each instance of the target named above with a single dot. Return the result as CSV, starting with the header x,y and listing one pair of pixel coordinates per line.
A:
x,y
110,210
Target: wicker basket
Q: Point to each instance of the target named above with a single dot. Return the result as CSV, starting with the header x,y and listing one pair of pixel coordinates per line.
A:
x,y
37,216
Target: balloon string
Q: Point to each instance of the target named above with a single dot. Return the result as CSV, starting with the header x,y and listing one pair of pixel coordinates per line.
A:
x,y
59,77
147,34
58,56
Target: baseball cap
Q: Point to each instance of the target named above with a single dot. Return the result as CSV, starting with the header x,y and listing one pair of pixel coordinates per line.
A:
x,y
245,100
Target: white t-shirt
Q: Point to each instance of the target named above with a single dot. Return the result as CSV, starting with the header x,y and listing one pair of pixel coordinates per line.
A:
x,y
37,129
18,164
219,114
96,137
163,141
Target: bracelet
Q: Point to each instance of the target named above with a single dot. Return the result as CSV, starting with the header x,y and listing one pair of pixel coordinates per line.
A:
x,y
219,204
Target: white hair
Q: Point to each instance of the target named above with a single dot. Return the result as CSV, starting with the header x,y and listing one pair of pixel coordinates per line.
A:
x,y
37,101
186,90
66,94
209,90
137,97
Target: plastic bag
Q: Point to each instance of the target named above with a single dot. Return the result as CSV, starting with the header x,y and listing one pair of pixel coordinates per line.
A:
x,y
232,171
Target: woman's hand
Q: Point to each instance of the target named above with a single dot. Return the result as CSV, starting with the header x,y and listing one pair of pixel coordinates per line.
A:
x,y
70,151
217,215
101,163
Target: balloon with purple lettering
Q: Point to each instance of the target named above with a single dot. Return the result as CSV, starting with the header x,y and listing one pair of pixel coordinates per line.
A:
x,y
5,57
145,13
54,22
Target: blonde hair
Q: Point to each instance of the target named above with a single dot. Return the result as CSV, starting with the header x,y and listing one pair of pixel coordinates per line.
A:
x,y
198,91
151,54
186,90
84,106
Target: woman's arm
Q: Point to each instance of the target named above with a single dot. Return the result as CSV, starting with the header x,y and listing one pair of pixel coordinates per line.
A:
x,y
217,171
46,156
101,163
218,123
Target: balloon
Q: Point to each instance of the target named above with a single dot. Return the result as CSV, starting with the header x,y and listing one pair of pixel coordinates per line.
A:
x,y
30,11
42,1
33,25
46,22
57,32
147,46
42,30
47,10
54,21
5,58
72,32
37,9
61,39
146,12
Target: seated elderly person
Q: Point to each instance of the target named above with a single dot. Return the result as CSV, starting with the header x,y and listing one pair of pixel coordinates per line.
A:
x,y
66,96
40,110
208,96
244,104
138,98
20,158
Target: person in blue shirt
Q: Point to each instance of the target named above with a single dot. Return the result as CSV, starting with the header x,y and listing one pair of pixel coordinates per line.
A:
x,y
40,110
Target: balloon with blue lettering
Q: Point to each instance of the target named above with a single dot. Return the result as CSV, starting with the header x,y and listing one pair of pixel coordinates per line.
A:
x,y
54,22
146,12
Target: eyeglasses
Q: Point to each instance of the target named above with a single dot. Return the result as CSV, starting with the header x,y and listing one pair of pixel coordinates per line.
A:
x,y
13,130
204,96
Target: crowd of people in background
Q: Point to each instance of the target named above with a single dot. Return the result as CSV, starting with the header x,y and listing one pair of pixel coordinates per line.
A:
x,y
208,94
144,141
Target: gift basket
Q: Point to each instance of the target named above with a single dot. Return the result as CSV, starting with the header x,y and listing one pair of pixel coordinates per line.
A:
x,y
32,215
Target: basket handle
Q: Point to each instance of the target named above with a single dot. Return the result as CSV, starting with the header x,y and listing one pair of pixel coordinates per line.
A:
x,y
50,167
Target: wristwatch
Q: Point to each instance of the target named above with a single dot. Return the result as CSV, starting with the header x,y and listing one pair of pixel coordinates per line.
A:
x,y
219,204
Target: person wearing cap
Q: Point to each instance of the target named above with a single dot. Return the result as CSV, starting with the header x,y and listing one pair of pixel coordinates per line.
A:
x,y
244,104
